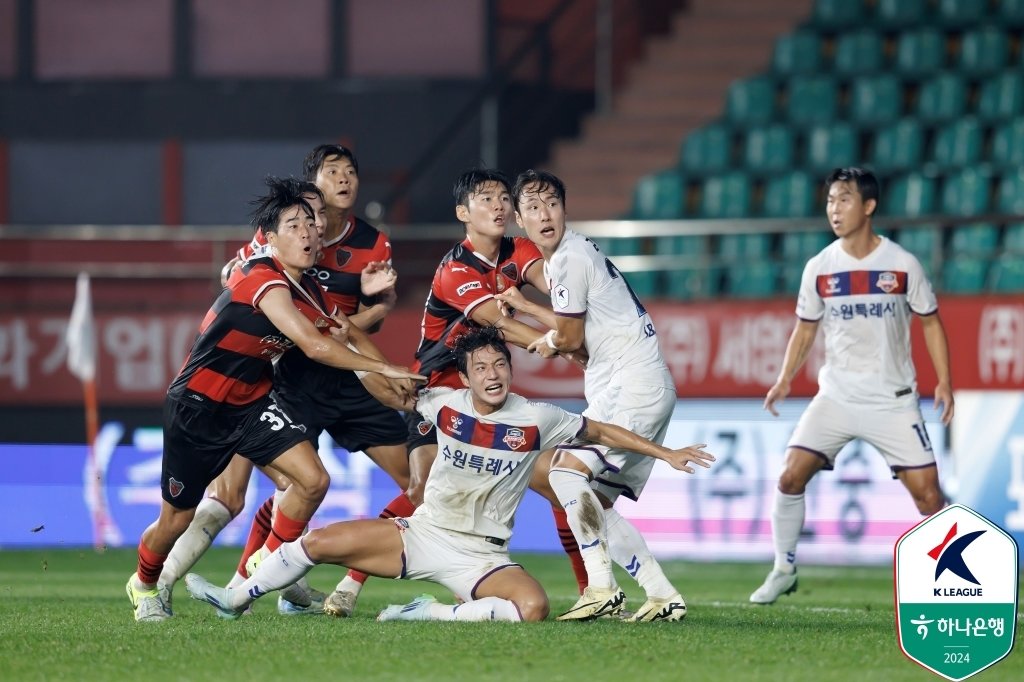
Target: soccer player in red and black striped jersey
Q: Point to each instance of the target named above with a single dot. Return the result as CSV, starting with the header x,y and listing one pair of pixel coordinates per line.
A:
x,y
221,402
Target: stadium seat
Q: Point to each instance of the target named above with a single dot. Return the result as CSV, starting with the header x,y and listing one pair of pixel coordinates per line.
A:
x,y
984,51
751,101
812,99
744,248
726,196
858,53
966,193
791,273
960,14
695,282
898,14
797,53
1010,13
910,195
974,239
831,146
920,52
620,246
876,100
1002,96
1007,274
1008,144
836,15
958,144
659,196
768,149
1013,240
1010,193
707,150
942,98
798,247
925,242
752,280
645,284
964,275
790,195
681,245
898,147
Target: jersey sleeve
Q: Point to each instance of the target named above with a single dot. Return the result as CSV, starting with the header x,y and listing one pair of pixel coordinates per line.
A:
x,y
258,241
431,400
809,304
462,287
252,286
526,254
570,284
920,295
382,249
557,425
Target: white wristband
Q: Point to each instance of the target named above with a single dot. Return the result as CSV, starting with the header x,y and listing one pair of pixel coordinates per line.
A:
x,y
549,339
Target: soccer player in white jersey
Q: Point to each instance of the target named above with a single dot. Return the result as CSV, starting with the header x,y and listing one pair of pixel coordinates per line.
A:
x,y
861,289
626,383
488,442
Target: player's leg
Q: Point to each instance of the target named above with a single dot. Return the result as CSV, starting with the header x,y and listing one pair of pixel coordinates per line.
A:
x,y
923,485
513,586
309,483
539,484
154,546
902,438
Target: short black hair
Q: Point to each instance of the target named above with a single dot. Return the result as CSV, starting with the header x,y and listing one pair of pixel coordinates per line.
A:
x,y
315,159
469,182
476,338
867,183
544,180
282,194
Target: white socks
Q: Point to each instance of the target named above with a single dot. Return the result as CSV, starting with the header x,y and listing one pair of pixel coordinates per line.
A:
x,y
488,608
284,566
629,550
787,522
586,519
210,519
347,584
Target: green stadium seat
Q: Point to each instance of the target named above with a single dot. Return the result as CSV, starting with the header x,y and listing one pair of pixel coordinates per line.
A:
x,y
706,150
920,52
1010,193
1013,240
858,53
751,101
925,242
1007,274
966,193
797,53
812,99
875,100
910,195
696,282
752,280
897,14
789,195
791,274
984,51
1008,144
836,15
898,147
974,239
645,284
726,196
1002,96
958,144
942,98
744,248
831,146
768,149
619,246
1010,13
964,275
960,14
659,196
798,247
681,245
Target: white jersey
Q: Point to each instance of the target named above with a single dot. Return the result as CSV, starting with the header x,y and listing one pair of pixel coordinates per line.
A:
x,y
619,333
484,462
864,306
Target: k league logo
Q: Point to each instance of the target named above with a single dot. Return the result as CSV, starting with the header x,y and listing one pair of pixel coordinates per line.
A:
x,y
956,592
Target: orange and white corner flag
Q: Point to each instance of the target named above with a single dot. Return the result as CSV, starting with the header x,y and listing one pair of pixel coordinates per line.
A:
x,y
81,333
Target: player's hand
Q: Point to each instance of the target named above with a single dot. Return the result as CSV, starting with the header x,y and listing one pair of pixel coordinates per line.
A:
x,y
340,333
511,299
541,348
396,372
693,454
776,394
385,391
944,397
377,277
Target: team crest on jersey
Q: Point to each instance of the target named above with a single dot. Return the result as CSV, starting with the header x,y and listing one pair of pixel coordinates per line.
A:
x,y
514,438
341,257
510,270
174,486
424,427
887,282
561,296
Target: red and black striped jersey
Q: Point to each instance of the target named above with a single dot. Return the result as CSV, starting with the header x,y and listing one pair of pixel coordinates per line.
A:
x,y
464,280
340,262
230,363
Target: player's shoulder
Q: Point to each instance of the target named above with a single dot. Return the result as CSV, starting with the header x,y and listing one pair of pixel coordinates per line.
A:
x,y
364,235
459,260
898,253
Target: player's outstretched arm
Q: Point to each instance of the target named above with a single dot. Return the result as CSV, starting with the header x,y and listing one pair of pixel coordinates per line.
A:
x,y
617,437
938,350
797,350
514,299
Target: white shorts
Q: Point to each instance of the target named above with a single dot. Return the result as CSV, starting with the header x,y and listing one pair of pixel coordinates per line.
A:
x,y
459,561
826,426
644,410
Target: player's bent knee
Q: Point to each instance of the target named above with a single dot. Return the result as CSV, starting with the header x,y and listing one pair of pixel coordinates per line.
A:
x,y
929,502
563,459
315,543
793,483
533,609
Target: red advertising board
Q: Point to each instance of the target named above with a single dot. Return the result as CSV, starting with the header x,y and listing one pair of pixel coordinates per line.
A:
x,y
714,349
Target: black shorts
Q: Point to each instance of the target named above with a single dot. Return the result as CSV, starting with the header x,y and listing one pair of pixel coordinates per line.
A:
x,y
333,400
420,431
199,443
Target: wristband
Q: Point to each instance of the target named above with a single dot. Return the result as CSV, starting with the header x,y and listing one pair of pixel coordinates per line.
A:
x,y
549,339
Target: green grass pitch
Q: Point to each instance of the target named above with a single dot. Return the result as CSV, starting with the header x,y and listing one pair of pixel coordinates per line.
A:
x,y
64,616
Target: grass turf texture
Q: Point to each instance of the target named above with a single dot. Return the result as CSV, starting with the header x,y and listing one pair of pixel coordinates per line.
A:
x,y
64,615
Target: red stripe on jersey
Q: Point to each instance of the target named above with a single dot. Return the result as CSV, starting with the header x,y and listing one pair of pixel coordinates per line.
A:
x,y
227,390
244,344
860,282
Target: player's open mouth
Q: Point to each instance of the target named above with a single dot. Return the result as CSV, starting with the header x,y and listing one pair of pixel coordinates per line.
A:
x,y
547,231
494,388
307,249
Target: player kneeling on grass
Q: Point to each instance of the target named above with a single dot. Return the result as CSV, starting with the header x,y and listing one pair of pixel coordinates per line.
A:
x,y
488,442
